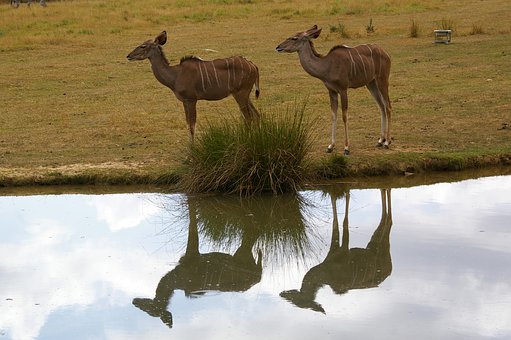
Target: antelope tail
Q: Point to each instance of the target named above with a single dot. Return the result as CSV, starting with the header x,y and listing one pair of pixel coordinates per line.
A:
x,y
257,83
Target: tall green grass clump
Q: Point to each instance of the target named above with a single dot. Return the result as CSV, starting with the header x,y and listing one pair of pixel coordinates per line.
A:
x,y
265,156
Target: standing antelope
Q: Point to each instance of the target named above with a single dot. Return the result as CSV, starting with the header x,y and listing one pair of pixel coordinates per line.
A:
x,y
342,68
196,79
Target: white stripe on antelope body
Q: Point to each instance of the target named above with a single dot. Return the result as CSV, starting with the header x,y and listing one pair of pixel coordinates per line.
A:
x,y
195,79
342,68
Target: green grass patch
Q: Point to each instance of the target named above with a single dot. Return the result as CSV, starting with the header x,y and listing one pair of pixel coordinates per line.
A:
x,y
269,155
335,166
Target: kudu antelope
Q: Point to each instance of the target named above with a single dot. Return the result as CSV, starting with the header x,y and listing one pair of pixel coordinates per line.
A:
x,y
197,273
196,79
344,268
342,68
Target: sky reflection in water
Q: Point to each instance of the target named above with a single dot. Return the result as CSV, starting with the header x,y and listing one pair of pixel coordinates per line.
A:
x,y
72,265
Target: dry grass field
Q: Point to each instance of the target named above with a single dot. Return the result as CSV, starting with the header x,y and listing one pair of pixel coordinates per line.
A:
x,y
74,109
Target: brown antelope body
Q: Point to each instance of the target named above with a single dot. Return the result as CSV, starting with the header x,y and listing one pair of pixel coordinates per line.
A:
x,y
342,68
195,79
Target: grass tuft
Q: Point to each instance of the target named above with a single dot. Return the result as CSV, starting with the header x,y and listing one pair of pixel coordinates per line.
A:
x,y
341,29
446,24
370,27
476,29
414,29
265,156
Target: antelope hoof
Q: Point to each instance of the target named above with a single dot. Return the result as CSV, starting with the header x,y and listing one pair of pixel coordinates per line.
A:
x,y
329,149
346,152
386,146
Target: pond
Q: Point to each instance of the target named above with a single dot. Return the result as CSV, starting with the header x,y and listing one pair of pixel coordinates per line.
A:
x,y
424,262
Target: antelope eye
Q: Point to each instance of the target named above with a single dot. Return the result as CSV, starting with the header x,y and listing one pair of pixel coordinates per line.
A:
x,y
294,38
143,46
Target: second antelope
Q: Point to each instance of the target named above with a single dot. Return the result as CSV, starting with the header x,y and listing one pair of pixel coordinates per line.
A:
x,y
342,68
196,79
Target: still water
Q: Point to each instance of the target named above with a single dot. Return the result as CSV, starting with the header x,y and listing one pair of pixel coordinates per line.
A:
x,y
423,262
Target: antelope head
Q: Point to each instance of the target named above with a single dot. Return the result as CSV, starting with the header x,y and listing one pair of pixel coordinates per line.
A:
x,y
295,43
302,300
148,48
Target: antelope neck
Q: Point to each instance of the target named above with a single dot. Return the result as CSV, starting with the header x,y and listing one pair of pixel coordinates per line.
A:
x,y
164,73
311,61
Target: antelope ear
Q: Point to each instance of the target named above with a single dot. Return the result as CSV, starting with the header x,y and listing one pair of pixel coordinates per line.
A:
x,y
315,32
161,38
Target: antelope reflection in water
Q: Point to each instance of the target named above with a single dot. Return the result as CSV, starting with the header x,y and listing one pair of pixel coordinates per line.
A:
x,y
255,221
344,268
